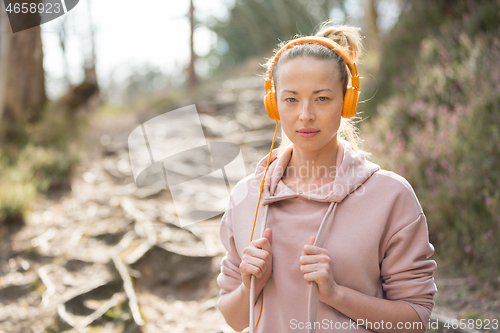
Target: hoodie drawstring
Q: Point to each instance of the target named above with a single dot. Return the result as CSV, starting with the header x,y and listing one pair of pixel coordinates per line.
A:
x,y
313,302
252,283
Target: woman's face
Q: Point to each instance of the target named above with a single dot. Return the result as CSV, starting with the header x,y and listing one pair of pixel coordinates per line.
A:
x,y
310,100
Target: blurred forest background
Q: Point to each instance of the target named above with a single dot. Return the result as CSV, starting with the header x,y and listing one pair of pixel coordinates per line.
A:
x,y
431,108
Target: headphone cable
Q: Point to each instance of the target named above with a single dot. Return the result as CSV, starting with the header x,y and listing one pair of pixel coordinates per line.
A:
x,y
257,210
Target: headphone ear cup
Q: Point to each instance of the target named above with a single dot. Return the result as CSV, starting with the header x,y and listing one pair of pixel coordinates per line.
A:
x,y
271,105
351,100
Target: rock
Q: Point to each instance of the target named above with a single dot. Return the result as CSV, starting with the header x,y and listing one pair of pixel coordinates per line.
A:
x,y
12,293
161,266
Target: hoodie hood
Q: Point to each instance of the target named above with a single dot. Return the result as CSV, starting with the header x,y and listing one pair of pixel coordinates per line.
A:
x,y
351,172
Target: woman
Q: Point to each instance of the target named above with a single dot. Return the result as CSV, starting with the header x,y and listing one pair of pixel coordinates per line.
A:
x,y
345,246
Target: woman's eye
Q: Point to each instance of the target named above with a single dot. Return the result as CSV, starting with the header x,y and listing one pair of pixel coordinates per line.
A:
x,y
293,99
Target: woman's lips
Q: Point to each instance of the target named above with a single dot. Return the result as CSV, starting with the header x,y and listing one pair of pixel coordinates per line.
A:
x,y
307,132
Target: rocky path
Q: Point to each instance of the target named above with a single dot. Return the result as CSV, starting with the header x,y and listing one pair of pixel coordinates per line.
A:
x,y
107,256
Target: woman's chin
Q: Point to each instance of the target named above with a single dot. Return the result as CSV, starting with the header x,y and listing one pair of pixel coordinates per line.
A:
x,y
313,144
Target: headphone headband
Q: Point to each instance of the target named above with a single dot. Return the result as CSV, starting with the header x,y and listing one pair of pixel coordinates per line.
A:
x,y
318,40
351,97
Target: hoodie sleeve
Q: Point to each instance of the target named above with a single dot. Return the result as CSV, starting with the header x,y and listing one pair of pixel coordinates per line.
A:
x,y
230,277
407,273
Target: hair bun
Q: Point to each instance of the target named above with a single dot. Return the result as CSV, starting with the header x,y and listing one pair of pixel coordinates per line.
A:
x,y
346,36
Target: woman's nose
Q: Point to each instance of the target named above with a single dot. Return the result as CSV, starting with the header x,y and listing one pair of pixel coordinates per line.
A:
x,y
306,113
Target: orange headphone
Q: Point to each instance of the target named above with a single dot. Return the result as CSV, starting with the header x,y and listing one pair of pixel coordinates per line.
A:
x,y
351,97
351,101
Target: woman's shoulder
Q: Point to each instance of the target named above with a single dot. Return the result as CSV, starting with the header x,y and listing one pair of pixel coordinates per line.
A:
x,y
396,187
250,185
393,179
244,189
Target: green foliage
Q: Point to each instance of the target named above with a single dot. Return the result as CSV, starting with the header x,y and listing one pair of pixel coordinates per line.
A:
x,y
42,161
420,20
47,166
16,193
255,27
35,169
440,128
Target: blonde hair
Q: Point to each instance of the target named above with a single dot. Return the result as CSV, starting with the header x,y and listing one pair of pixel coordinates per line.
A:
x,y
350,39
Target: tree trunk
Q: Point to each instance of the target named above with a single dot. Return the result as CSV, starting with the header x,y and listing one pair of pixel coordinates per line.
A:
x,y
90,69
192,80
372,33
23,77
63,37
372,36
4,51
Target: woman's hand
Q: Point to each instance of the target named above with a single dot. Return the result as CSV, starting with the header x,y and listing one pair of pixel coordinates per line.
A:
x,y
258,260
315,265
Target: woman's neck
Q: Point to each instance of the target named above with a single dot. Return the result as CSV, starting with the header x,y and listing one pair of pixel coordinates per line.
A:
x,y
312,167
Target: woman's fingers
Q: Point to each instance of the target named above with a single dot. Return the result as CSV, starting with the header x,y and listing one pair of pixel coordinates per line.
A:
x,y
312,268
314,258
320,277
315,263
250,267
268,234
315,266
312,249
262,243
257,253
255,260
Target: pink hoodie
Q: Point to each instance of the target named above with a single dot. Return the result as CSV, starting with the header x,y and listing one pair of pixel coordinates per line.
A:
x,y
371,224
